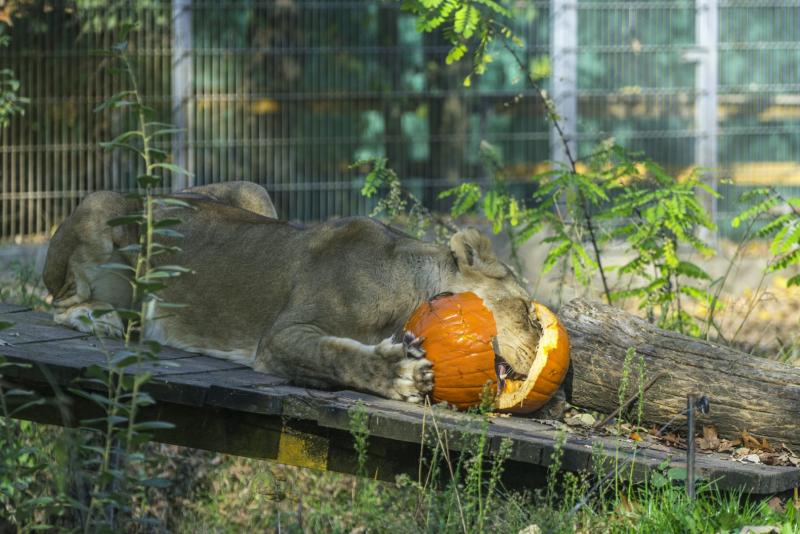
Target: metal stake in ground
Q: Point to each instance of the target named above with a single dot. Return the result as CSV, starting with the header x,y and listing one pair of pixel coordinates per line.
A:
x,y
701,404
690,446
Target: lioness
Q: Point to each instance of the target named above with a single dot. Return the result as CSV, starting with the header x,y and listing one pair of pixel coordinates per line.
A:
x,y
323,306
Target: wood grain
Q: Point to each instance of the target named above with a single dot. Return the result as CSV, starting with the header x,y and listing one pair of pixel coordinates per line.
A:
x,y
748,393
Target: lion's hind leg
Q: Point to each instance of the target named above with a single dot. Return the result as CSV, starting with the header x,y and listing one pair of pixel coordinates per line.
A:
x,y
246,195
74,273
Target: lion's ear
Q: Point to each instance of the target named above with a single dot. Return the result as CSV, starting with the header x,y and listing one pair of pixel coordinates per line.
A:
x,y
473,252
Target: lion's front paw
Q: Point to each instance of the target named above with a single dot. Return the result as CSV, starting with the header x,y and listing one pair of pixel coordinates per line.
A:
x,y
411,373
84,318
414,379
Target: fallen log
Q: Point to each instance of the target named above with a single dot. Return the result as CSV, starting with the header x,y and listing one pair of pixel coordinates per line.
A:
x,y
747,393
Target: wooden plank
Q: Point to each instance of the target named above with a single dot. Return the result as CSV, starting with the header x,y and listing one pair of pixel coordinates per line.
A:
x,y
192,364
12,308
60,361
209,387
214,388
35,327
239,377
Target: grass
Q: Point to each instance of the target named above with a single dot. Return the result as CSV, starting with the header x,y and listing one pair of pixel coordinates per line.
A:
x,y
454,493
248,494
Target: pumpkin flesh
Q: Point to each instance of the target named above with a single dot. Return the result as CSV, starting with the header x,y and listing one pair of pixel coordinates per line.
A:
x,y
547,372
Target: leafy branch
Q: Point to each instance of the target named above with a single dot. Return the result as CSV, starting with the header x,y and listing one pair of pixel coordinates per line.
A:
x,y
470,26
782,225
398,202
10,102
583,199
463,22
119,471
609,195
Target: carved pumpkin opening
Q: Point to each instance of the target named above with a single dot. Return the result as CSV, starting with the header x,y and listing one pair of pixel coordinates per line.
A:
x,y
461,341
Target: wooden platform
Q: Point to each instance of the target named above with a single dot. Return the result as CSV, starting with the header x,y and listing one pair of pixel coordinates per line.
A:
x,y
221,406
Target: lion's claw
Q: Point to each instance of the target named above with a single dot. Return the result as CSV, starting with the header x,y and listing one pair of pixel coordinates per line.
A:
x,y
411,375
413,345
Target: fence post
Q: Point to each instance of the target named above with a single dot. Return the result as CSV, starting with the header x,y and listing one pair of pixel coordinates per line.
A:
x,y
182,91
705,107
564,65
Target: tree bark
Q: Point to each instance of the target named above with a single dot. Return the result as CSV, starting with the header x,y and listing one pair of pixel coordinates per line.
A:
x,y
748,393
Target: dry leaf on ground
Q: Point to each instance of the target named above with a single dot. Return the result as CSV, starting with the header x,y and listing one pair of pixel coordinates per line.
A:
x,y
583,420
726,445
710,440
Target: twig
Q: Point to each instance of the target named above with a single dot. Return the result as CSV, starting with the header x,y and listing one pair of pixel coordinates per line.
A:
x,y
631,399
428,213
595,246
754,302
713,306
568,152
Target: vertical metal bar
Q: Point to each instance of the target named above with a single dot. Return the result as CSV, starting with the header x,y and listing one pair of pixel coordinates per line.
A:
x,y
690,446
28,228
182,81
202,156
15,178
705,111
564,61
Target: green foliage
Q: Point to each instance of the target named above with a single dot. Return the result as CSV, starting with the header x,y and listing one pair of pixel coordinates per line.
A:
x,y
27,498
359,429
239,494
10,102
100,480
469,25
366,499
395,203
781,216
659,218
617,197
624,382
117,474
24,287
495,203
637,202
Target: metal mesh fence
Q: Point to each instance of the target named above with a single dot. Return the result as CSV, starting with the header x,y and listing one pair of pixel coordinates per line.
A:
x,y
759,98
289,93
632,82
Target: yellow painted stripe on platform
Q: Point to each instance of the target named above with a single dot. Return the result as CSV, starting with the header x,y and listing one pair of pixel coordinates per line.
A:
x,y
303,450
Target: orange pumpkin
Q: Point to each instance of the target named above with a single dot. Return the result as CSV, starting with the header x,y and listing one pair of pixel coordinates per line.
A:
x,y
458,331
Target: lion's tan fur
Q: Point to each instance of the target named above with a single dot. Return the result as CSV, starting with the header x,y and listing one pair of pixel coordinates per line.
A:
x,y
323,306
